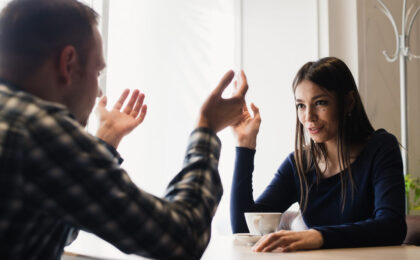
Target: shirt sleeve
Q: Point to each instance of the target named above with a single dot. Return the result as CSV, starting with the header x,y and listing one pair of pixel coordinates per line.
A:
x,y
79,180
74,232
387,225
112,150
277,197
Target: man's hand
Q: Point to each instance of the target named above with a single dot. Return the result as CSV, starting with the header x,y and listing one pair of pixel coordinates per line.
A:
x,y
115,124
287,241
217,112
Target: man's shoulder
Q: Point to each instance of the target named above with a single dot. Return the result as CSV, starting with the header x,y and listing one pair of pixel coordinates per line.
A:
x,y
19,105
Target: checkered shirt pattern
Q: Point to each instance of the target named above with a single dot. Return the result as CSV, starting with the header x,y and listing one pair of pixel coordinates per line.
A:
x,y
55,177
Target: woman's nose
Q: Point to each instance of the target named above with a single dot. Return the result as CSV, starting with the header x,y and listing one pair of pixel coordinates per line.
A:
x,y
311,114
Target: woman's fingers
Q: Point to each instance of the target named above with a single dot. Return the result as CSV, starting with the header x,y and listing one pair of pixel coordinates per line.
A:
x,y
244,86
255,110
267,240
281,239
282,242
290,241
294,246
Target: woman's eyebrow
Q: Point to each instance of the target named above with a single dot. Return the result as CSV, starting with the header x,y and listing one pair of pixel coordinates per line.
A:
x,y
313,98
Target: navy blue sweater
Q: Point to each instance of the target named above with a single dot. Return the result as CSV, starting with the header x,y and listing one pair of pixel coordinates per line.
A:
x,y
375,216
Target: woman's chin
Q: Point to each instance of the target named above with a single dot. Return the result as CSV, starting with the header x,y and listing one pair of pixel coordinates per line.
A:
x,y
318,139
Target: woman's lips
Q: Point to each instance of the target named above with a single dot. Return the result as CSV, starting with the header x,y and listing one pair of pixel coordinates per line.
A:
x,y
314,130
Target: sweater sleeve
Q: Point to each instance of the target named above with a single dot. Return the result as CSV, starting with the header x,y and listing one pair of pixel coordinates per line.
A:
x,y
387,225
277,197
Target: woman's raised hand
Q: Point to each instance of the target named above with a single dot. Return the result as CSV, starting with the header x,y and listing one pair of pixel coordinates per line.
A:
x,y
246,129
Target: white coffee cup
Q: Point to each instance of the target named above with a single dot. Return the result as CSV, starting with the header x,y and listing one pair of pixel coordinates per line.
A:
x,y
261,223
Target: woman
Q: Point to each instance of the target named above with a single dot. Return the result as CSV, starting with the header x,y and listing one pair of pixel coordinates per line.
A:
x,y
346,176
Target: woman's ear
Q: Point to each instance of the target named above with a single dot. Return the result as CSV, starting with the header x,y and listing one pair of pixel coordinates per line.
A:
x,y
67,64
350,102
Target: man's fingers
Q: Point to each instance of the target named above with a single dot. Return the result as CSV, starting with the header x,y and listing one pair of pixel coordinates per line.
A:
x,y
102,102
244,86
224,82
121,100
143,113
101,107
129,107
138,106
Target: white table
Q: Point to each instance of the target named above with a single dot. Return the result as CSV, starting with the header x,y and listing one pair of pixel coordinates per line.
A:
x,y
226,247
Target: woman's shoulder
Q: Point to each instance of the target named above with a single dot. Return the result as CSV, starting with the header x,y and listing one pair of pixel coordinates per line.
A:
x,y
287,167
288,162
380,142
291,158
305,154
382,137
292,161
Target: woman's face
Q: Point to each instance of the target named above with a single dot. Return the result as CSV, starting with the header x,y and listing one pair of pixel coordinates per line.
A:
x,y
317,110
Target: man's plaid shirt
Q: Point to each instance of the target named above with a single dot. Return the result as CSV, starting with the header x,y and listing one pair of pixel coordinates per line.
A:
x,y
54,177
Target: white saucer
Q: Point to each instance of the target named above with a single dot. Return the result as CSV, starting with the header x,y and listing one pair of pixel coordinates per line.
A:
x,y
247,238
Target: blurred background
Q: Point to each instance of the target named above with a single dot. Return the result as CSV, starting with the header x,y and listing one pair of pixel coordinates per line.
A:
x,y
176,52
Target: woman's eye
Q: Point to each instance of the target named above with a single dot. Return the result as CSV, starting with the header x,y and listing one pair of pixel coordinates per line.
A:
x,y
321,102
299,106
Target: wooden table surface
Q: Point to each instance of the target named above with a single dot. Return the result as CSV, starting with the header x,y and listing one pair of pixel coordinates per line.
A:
x,y
227,247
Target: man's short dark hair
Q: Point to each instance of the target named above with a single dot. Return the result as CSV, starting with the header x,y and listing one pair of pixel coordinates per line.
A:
x,y
33,31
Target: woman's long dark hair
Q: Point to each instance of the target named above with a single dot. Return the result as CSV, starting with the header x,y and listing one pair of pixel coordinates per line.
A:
x,y
354,127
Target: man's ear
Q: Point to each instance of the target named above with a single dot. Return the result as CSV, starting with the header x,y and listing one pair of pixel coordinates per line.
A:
x,y
350,101
67,64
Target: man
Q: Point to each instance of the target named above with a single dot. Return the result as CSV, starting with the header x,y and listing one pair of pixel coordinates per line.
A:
x,y
55,177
